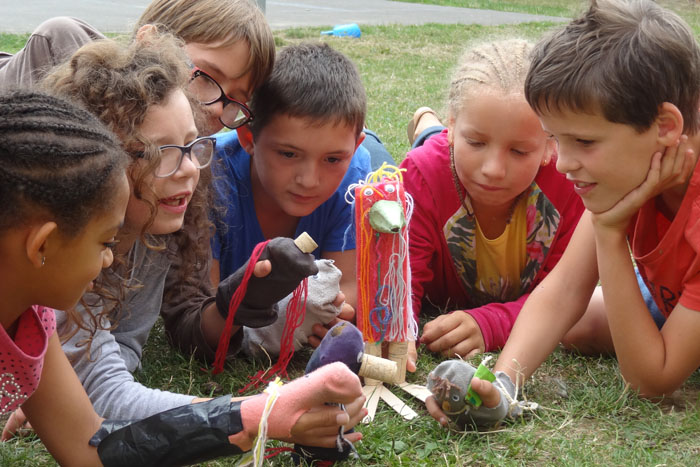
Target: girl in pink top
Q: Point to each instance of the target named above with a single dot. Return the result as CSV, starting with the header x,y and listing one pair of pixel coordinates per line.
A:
x,y
64,192
492,215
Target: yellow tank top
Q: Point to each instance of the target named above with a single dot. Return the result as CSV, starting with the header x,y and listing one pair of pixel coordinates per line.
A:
x,y
500,261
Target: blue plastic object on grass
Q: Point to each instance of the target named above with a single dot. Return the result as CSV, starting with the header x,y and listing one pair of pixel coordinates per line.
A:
x,y
344,30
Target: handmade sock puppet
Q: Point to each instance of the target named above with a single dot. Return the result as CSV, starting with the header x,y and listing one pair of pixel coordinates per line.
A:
x,y
259,306
449,382
322,292
343,343
220,427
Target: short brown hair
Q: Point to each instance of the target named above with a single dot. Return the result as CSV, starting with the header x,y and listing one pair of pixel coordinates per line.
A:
x,y
311,81
217,21
622,58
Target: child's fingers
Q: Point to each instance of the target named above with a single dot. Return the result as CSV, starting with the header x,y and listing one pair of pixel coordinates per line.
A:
x,y
314,341
347,312
412,357
339,299
262,268
16,421
490,396
434,410
324,422
353,437
356,411
435,330
689,162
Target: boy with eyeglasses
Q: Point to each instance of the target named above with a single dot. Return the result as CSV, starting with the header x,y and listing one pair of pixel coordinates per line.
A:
x,y
229,43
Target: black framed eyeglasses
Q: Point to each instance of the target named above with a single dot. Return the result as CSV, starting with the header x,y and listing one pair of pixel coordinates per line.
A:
x,y
200,152
208,92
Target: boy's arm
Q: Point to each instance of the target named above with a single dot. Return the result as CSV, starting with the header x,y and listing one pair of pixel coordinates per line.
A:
x,y
59,402
555,305
652,361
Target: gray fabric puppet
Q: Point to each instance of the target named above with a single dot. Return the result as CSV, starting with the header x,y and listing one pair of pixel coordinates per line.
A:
x,y
449,382
323,288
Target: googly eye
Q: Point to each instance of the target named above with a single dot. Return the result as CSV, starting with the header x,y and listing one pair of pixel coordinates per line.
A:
x,y
455,397
389,188
368,192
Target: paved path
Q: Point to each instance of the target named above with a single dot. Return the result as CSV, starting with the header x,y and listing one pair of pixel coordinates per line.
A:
x,y
120,15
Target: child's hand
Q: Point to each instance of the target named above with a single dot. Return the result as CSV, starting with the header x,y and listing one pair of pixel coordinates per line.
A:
x,y
412,357
490,397
449,382
670,169
15,423
319,426
347,313
307,395
454,334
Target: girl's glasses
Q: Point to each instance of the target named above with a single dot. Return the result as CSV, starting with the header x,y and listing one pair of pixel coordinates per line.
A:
x,y
207,91
200,152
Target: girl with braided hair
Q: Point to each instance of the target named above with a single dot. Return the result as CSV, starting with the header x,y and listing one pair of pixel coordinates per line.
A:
x,y
64,194
492,215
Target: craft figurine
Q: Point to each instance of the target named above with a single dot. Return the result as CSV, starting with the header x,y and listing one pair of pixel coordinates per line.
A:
x,y
450,384
344,343
291,263
384,313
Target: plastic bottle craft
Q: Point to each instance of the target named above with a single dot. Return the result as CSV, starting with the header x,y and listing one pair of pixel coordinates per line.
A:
x,y
384,313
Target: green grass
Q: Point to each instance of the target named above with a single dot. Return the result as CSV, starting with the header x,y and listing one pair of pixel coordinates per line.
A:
x,y
565,8
587,416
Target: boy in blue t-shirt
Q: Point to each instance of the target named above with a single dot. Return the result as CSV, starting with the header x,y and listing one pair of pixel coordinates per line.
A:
x,y
289,174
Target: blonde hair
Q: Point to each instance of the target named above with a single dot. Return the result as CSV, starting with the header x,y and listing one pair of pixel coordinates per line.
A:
x,y
500,65
220,22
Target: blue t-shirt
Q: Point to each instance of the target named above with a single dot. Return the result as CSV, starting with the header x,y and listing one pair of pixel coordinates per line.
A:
x,y
237,227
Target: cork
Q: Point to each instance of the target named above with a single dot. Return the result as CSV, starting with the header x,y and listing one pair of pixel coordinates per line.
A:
x,y
378,368
398,352
372,349
305,243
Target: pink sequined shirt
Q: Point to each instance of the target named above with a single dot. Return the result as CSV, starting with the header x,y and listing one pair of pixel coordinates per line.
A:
x,y
22,359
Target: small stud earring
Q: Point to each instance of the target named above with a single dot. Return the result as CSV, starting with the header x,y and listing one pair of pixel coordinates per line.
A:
x,y
43,260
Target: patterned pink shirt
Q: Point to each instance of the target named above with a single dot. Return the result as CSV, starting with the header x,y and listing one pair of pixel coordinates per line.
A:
x,y
22,359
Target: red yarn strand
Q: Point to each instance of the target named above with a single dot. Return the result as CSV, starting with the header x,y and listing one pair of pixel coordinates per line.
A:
x,y
236,299
296,309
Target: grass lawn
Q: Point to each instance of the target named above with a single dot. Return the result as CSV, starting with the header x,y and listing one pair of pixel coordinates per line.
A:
x,y
587,416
